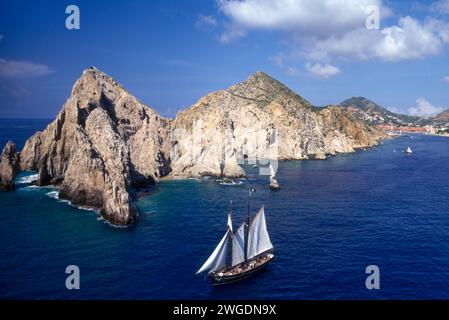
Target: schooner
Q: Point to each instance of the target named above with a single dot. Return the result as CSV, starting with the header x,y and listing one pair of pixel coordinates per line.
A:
x,y
250,247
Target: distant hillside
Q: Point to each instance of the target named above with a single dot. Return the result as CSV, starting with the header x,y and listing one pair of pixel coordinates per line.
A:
x,y
369,111
441,119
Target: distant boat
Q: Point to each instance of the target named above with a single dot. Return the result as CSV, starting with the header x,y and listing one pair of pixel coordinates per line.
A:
x,y
274,184
250,251
409,150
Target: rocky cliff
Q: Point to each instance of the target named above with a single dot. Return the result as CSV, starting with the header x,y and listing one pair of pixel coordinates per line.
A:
x,y
9,166
104,142
256,107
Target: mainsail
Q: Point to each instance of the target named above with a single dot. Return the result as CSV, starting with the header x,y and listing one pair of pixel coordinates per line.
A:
x,y
230,222
258,238
238,246
217,259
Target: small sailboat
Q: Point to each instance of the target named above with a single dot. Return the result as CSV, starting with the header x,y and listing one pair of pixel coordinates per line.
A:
x,y
242,253
274,184
409,150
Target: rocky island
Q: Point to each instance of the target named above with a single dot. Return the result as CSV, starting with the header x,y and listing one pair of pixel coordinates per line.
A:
x,y
104,143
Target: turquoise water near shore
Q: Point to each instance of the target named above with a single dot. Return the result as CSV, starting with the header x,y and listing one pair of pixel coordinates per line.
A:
x,y
329,221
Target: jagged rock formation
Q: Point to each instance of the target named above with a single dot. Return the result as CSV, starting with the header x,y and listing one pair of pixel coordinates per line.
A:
x,y
9,166
261,104
104,141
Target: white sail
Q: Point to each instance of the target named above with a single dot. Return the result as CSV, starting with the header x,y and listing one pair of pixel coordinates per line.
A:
x,y
230,222
217,259
258,238
221,260
238,246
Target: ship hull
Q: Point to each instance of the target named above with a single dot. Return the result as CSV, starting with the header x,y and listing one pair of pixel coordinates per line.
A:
x,y
235,275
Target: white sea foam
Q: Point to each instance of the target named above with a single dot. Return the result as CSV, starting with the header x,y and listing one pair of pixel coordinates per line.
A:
x,y
53,194
110,224
96,211
231,183
28,188
27,179
83,208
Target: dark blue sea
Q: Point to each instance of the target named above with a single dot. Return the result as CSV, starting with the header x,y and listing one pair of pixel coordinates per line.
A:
x,y
330,221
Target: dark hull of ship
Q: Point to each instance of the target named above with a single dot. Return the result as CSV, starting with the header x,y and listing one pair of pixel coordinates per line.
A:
x,y
220,278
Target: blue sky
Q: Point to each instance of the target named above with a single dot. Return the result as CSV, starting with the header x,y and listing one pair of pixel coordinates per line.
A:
x,y
170,53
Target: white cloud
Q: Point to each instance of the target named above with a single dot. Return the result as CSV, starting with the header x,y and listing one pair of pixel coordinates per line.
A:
x,y
22,69
409,40
232,33
292,71
441,28
322,71
279,61
325,31
205,23
317,17
441,6
446,79
424,108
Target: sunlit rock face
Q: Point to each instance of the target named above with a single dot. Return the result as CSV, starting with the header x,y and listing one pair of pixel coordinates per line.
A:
x,y
253,110
104,142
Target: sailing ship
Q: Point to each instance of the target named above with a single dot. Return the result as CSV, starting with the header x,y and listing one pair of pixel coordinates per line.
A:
x,y
409,150
249,246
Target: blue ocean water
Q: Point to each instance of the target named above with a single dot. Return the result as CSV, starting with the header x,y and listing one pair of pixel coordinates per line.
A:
x,y
330,220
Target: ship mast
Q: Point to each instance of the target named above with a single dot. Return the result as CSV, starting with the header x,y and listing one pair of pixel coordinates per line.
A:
x,y
230,208
230,218
251,190
230,228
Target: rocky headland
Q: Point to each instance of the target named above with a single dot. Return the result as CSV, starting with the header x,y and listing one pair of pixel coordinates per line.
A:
x,y
9,166
104,143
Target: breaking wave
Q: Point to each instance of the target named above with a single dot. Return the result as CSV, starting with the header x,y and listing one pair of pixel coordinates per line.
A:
x,y
230,182
27,179
53,194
